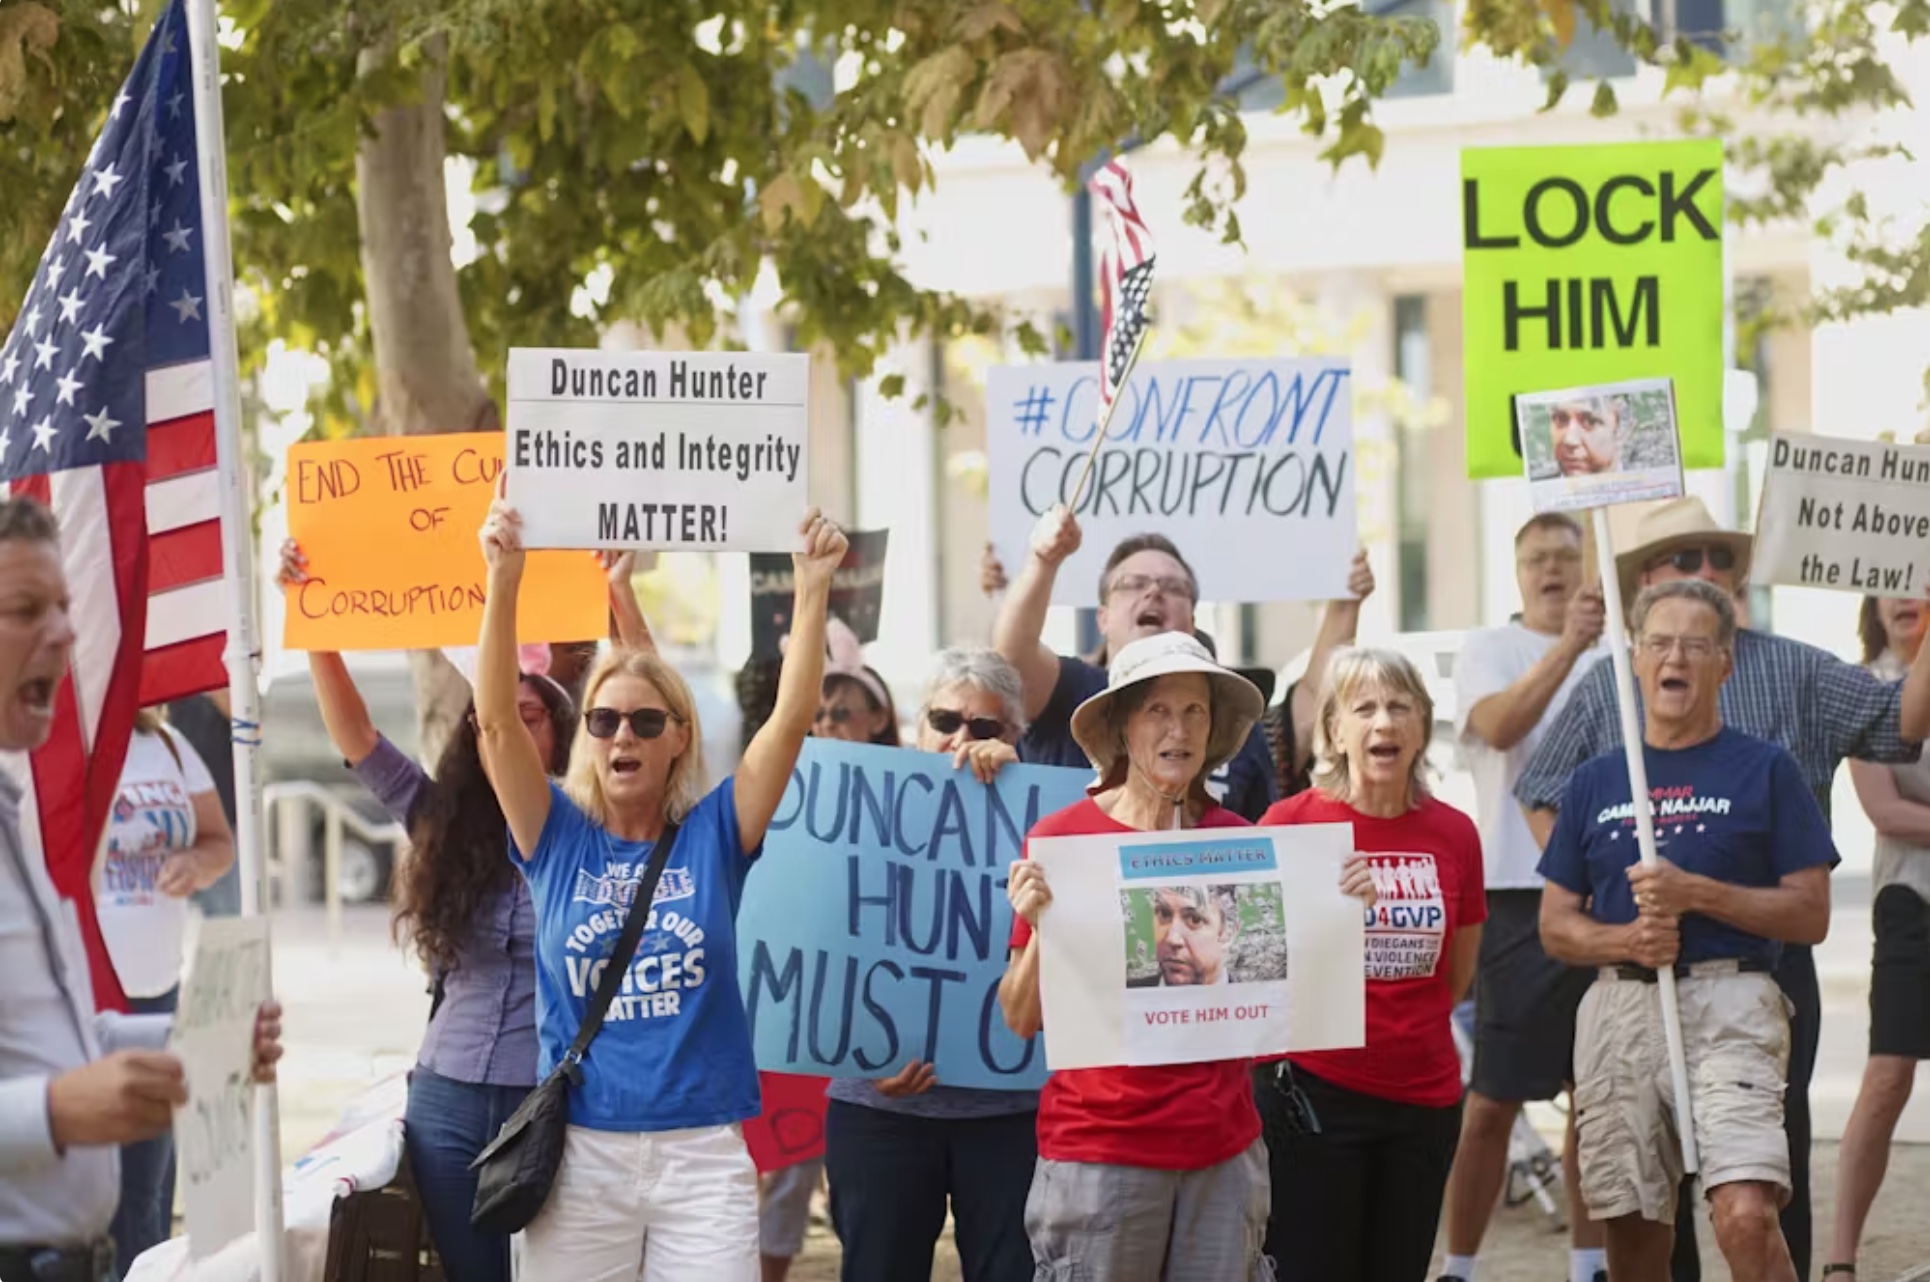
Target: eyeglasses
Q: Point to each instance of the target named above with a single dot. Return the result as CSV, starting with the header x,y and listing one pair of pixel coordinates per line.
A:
x,y
946,721
1134,584
1696,648
1689,560
837,714
645,723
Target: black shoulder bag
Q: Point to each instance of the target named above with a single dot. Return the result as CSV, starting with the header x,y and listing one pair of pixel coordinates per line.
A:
x,y
514,1174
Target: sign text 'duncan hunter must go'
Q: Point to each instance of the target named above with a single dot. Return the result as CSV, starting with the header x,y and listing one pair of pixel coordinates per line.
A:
x,y
684,450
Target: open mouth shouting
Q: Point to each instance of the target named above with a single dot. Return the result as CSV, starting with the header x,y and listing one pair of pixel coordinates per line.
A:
x,y
1384,753
622,766
1675,685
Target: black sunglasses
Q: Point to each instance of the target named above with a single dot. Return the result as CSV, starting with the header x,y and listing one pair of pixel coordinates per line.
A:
x,y
945,721
1689,560
837,714
645,723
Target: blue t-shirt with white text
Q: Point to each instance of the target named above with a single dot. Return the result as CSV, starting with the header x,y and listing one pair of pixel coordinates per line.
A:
x,y
1244,784
1733,808
675,1049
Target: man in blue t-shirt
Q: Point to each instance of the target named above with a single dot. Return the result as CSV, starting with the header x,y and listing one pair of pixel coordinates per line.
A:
x,y
1744,868
1145,589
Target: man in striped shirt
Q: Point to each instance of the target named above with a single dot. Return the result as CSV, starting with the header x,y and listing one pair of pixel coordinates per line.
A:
x,y
1817,707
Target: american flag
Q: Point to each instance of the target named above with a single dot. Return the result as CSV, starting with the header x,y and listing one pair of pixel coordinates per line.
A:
x,y
107,417
1125,279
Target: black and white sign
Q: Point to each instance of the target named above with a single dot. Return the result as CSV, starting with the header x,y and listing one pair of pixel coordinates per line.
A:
x,y
857,592
692,451
1849,515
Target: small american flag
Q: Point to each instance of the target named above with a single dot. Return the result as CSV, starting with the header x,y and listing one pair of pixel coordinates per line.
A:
x,y
107,417
1125,279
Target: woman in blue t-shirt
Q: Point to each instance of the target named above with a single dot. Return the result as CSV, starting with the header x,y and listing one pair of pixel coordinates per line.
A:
x,y
656,1183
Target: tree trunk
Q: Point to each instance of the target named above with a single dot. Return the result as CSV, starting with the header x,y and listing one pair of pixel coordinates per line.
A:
x,y
426,375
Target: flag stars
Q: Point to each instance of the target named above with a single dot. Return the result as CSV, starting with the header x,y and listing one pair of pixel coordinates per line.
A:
x,y
120,104
44,353
44,435
8,366
68,385
100,427
105,181
153,280
70,306
187,307
177,171
174,103
95,342
153,216
177,238
76,228
23,396
167,44
6,442
98,261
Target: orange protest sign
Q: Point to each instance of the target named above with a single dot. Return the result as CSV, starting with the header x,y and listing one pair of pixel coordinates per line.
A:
x,y
389,528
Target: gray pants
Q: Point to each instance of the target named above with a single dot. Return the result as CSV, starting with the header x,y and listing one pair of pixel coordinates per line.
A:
x,y
1094,1223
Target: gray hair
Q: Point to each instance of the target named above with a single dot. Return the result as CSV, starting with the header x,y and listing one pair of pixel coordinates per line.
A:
x,y
25,520
984,670
1700,591
1350,669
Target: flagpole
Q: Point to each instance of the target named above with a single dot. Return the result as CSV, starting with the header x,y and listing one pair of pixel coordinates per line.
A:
x,y
1105,420
237,529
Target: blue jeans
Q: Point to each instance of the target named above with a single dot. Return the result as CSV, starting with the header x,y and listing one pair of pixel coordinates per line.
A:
x,y
446,1125
892,1176
145,1217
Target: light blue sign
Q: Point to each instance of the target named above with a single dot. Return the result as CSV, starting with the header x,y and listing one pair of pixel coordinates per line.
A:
x,y
1193,858
874,928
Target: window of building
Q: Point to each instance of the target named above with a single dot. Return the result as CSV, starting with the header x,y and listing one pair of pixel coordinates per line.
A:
x,y
1412,462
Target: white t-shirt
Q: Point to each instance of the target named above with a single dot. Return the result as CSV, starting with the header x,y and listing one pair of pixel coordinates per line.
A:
x,y
1491,660
153,818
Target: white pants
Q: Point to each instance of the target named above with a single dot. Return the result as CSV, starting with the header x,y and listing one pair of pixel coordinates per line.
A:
x,y
673,1206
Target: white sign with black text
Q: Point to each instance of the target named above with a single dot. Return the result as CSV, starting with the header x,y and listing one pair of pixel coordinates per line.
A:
x,y
695,451
1849,515
214,1034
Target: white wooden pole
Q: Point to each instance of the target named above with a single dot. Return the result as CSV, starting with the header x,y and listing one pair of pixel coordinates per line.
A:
x,y
1638,782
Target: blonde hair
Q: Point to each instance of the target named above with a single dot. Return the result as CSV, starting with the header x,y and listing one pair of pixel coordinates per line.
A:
x,y
686,785
1349,670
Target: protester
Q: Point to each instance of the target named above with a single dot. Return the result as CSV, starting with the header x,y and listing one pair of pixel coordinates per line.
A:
x,y
461,907
671,1075
1145,589
203,720
1288,725
855,705
74,1085
1745,869
900,1149
1806,700
1897,800
1360,1199
1511,684
166,840
1153,1174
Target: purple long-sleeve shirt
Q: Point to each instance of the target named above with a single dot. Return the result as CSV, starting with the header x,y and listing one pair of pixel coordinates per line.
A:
x,y
485,1030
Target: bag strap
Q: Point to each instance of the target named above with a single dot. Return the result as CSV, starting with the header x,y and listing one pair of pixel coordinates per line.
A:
x,y
620,956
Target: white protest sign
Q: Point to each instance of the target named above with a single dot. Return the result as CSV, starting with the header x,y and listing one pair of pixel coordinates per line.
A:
x,y
687,450
1850,515
1247,465
1589,447
1178,948
214,1034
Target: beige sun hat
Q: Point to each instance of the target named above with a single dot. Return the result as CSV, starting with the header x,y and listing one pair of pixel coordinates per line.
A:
x,y
1676,524
1236,701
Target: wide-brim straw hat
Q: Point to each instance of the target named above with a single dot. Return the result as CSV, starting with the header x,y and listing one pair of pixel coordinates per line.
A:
x,y
1677,524
1236,702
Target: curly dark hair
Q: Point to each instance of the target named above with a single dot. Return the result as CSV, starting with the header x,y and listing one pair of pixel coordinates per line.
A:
x,y
457,857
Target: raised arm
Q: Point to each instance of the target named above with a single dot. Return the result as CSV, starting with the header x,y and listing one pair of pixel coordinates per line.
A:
x,y
509,755
1892,813
765,771
1021,617
344,715
1503,719
629,628
1339,628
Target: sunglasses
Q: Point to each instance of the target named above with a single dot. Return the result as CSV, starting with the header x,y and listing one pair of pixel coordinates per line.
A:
x,y
837,714
945,721
645,723
1689,560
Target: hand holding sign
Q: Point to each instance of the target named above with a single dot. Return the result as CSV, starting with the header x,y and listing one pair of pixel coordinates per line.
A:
x,y
1586,617
1027,890
1056,536
502,536
824,548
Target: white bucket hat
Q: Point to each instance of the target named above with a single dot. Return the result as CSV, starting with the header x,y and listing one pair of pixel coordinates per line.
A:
x,y
1236,701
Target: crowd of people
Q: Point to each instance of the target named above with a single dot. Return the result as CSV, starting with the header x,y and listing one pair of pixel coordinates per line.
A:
x,y
576,766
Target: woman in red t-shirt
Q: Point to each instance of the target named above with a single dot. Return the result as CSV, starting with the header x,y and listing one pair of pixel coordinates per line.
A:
x,y
1361,1140
1154,1173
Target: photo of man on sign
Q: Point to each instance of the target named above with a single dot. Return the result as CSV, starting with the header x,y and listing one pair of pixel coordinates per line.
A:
x,y
1186,936
1587,435
1588,446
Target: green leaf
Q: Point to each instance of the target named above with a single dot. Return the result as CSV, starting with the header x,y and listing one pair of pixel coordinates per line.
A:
x,y
1604,103
891,386
693,101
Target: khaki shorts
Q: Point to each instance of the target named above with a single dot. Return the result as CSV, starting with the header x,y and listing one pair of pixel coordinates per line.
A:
x,y
1735,1033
